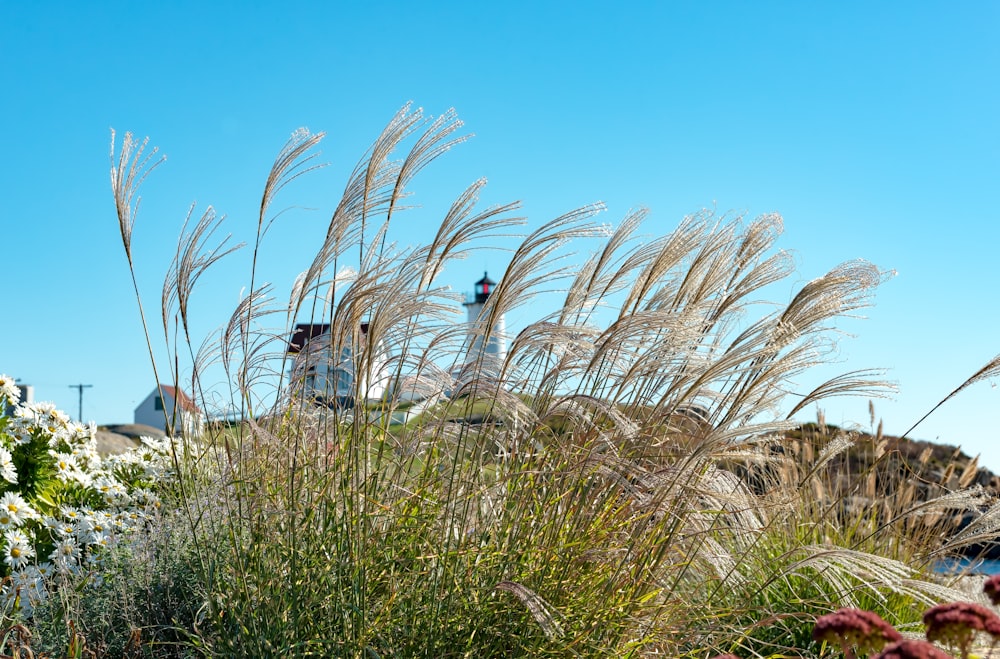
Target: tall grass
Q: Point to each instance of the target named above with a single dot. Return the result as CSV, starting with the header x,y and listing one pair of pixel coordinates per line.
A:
x,y
631,490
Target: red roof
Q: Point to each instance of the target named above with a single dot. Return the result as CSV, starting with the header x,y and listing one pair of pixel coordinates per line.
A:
x,y
182,398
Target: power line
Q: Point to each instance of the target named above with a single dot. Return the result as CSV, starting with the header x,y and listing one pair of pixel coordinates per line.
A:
x,y
80,388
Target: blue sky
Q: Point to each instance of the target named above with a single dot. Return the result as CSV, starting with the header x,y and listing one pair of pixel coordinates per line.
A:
x,y
873,130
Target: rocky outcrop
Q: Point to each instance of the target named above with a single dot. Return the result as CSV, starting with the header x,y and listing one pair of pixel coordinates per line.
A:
x,y
122,437
884,472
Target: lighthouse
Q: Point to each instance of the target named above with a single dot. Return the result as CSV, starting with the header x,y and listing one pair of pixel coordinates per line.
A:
x,y
495,348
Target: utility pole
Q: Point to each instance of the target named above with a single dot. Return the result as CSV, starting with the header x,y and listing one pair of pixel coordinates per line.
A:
x,y
80,388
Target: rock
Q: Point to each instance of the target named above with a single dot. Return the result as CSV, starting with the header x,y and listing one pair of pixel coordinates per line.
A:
x,y
135,430
109,442
118,438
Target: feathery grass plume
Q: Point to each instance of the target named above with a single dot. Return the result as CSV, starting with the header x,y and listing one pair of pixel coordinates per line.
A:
x,y
854,383
192,259
981,528
969,473
126,178
627,470
989,370
540,609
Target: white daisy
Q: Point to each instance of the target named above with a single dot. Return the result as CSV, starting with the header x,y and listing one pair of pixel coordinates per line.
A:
x,y
70,513
7,470
65,529
99,525
65,464
21,426
9,389
16,508
18,549
43,408
7,521
110,489
82,477
45,570
99,538
67,552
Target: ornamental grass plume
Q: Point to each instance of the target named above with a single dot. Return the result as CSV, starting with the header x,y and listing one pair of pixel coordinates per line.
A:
x,y
957,623
593,472
855,628
912,649
992,589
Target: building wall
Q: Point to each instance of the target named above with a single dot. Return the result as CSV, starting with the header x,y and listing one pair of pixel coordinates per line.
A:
x,y
496,346
188,424
322,376
147,414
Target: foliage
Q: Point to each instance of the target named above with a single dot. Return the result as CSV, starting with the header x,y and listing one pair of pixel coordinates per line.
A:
x,y
619,482
955,624
63,507
147,600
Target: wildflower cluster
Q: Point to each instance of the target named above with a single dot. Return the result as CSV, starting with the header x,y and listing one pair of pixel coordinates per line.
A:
x,y
913,649
61,505
992,589
955,624
855,628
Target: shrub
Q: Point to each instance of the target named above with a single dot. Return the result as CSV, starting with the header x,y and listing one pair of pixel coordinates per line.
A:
x,y
63,507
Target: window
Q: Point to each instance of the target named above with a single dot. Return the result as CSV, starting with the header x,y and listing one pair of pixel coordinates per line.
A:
x,y
158,404
344,381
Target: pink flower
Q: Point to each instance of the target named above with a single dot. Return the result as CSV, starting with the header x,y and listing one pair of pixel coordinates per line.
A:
x,y
912,650
851,628
957,623
992,589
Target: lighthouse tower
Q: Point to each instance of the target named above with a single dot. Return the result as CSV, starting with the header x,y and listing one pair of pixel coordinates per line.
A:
x,y
495,347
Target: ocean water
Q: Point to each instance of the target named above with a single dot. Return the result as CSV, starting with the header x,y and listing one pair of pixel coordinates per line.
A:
x,y
967,565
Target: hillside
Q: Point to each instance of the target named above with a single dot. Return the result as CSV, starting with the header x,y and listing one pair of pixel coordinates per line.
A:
x,y
883,475
936,467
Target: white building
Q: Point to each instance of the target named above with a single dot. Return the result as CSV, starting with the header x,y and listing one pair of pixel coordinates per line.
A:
x,y
484,350
336,382
496,345
160,405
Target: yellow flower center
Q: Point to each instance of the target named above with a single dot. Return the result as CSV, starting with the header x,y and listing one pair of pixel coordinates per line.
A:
x,y
15,552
